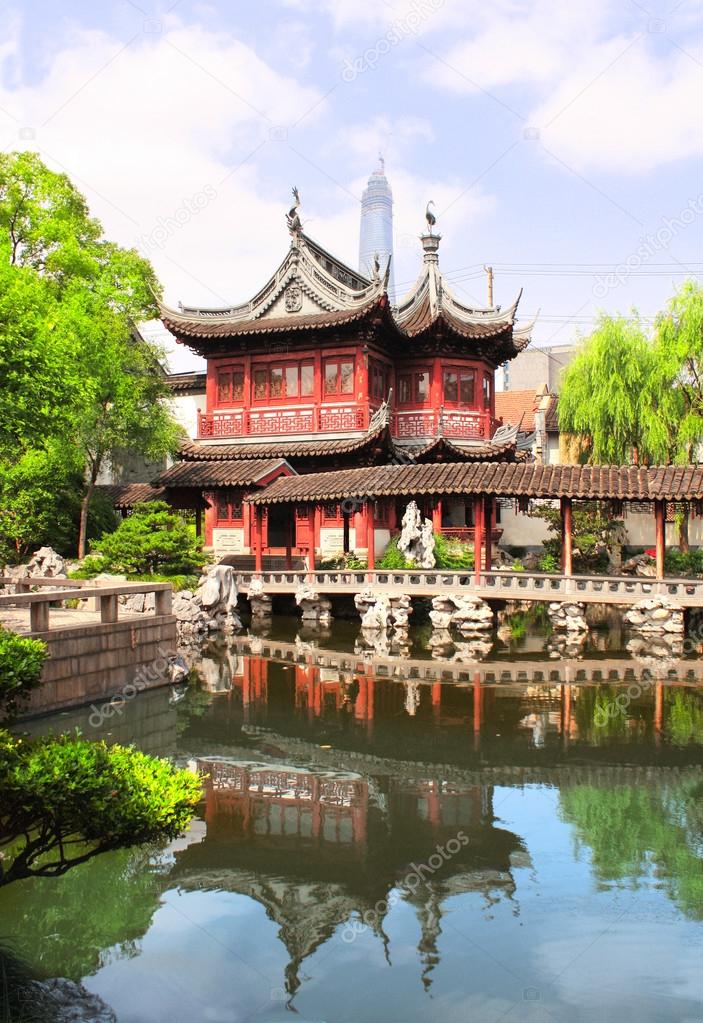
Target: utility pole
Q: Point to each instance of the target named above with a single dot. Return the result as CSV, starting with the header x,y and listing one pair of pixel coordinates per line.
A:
x,y
489,272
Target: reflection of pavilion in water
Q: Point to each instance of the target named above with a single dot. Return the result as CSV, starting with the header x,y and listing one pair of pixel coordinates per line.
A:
x,y
260,691
322,849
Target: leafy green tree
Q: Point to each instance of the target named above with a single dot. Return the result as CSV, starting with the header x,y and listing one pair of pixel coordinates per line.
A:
x,y
151,539
66,801
602,392
75,368
593,532
628,398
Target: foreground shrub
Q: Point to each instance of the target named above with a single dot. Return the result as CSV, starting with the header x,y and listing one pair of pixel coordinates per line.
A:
x,y
392,558
452,553
152,539
21,661
65,801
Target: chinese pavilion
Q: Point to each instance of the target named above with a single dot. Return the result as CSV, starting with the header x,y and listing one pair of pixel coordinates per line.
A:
x,y
318,372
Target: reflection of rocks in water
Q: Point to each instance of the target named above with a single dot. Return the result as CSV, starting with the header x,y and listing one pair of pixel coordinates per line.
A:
x,y
569,645
217,666
261,627
383,644
660,653
412,697
441,644
74,1003
444,647
472,650
308,637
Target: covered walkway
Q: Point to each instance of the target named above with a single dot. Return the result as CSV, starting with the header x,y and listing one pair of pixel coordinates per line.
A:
x,y
363,492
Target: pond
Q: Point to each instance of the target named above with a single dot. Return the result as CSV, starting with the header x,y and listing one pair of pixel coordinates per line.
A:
x,y
417,839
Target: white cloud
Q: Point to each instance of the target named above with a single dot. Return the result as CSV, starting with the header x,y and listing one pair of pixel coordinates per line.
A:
x,y
142,129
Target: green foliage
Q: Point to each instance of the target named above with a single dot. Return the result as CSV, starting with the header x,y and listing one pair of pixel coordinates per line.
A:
x,y
63,933
549,562
452,553
350,560
628,828
21,662
66,800
78,381
602,391
392,558
593,532
684,717
684,563
151,539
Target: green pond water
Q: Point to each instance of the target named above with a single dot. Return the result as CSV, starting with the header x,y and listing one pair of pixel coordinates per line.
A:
x,y
399,848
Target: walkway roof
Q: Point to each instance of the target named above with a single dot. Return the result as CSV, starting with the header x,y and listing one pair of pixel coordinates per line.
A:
x,y
502,479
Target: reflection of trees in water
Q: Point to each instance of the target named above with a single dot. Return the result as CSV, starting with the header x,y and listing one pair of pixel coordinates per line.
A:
x,y
599,717
635,832
72,925
683,717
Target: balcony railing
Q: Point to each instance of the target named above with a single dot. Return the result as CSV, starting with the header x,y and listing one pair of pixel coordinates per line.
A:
x,y
282,422
289,421
464,424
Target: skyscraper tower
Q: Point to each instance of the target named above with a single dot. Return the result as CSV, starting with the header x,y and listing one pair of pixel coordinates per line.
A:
x,y
376,232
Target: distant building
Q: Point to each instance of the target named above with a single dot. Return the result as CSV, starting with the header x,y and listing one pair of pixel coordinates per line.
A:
x,y
376,231
535,368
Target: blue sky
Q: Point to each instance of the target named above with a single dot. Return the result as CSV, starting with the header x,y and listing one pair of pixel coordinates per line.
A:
x,y
554,138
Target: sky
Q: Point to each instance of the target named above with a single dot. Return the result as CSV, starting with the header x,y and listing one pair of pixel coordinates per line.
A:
x,y
562,143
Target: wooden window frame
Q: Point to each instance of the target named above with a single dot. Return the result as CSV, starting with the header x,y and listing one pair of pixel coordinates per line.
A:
x,y
487,391
414,372
229,371
379,379
338,394
230,500
284,398
461,370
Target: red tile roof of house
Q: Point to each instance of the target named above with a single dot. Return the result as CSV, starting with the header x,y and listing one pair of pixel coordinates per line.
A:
x,y
514,406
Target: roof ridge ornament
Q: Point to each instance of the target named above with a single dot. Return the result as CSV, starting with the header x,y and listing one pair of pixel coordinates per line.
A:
x,y
429,216
292,216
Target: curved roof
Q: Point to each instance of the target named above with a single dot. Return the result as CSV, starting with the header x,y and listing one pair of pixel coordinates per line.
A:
x,y
311,289
431,305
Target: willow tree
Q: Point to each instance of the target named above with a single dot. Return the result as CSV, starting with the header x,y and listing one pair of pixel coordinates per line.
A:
x,y
602,393
631,399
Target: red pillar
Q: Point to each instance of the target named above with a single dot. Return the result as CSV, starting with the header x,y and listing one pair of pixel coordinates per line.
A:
x,y
488,518
311,544
478,699
258,540
370,536
437,516
567,536
658,710
478,537
660,529
290,527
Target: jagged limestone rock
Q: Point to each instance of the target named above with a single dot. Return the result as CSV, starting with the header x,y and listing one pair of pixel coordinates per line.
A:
x,y
568,616
469,615
416,539
656,615
313,607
